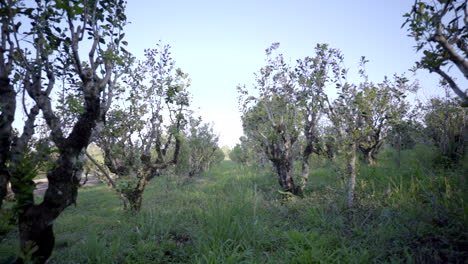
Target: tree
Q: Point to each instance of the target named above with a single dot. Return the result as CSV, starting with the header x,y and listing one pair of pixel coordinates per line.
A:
x,y
248,152
7,91
382,106
49,51
199,150
239,154
272,118
346,117
440,31
363,114
312,77
137,139
446,125
236,154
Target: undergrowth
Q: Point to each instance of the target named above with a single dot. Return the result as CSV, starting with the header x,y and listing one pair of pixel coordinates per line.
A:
x,y
232,214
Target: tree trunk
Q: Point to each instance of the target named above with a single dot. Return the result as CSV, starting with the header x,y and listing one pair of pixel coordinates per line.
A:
x,y
371,158
10,194
351,167
285,172
399,151
305,166
191,174
134,199
369,155
36,234
36,222
132,202
4,179
125,201
7,110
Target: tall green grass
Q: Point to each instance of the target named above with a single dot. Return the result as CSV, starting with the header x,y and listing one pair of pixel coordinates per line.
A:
x,y
231,214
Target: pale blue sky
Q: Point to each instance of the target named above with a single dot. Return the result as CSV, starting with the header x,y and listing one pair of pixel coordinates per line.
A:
x,y
221,43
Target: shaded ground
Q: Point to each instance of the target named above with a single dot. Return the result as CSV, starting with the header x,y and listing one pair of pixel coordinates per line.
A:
x,y
42,184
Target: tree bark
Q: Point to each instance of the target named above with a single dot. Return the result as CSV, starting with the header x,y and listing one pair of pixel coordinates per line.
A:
x,y
399,150
8,107
351,167
458,91
285,170
7,94
284,178
4,179
456,58
134,199
36,222
305,166
369,156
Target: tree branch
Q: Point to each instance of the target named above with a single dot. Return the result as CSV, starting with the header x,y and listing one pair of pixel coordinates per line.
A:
x,y
456,58
103,171
453,85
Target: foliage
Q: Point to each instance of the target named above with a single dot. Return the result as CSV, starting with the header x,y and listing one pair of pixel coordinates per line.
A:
x,y
199,150
248,152
407,133
139,133
271,118
312,75
239,155
446,125
46,40
440,31
382,106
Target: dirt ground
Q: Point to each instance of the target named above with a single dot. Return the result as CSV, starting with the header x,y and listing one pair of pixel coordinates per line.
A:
x,y
42,184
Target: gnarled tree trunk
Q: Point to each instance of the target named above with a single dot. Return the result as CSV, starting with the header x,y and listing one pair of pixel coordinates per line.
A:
x,y
133,199
36,222
285,175
281,157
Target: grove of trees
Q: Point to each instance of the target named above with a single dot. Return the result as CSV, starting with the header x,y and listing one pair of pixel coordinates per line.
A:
x,y
67,62
65,67
287,106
